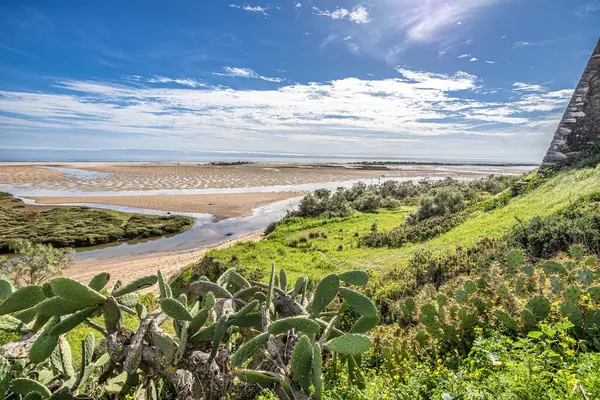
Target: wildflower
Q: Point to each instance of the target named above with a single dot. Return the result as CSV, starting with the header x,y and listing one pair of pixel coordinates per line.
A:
x,y
497,363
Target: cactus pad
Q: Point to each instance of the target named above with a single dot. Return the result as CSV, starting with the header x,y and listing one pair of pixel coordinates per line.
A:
x,y
515,259
358,278
174,309
24,386
594,293
302,324
6,288
8,323
259,377
45,343
317,371
539,307
350,344
461,296
505,319
591,321
23,298
325,292
57,306
571,311
246,350
301,363
138,284
586,276
72,321
76,292
573,294
358,301
577,252
364,324
99,281
470,287
552,267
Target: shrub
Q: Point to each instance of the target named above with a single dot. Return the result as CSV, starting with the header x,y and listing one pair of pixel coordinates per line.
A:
x,y
445,201
543,237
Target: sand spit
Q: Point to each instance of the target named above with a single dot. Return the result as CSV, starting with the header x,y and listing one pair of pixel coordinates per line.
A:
x,y
221,206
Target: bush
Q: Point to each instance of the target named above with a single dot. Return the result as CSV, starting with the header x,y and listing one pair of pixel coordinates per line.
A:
x,y
445,201
545,237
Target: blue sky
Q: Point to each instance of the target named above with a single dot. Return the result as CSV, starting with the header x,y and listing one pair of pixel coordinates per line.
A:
x,y
476,79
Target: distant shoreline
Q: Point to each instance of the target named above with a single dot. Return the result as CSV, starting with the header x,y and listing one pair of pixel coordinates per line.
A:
x,y
244,162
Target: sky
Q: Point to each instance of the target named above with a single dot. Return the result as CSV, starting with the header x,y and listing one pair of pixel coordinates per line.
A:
x,y
450,79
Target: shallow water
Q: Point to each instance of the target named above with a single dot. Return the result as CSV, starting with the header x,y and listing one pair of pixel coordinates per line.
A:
x,y
78,173
205,232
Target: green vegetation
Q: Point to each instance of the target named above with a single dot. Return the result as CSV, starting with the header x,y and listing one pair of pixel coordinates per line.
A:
x,y
35,263
231,336
479,290
79,226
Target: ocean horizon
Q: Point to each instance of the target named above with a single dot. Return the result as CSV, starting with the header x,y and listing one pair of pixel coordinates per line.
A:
x,y
151,155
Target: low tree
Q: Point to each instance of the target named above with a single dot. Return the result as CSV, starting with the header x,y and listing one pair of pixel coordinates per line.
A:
x,y
34,263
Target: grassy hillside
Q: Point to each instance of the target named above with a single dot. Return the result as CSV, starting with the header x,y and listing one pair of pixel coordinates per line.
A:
x,y
78,226
291,246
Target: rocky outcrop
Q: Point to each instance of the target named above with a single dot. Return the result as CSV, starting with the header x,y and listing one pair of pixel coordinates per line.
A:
x,y
579,128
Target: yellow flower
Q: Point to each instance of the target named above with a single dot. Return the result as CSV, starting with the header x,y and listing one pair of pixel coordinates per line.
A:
x,y
497,363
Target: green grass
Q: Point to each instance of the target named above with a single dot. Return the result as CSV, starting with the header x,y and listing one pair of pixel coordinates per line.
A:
x,y
321,256
79,226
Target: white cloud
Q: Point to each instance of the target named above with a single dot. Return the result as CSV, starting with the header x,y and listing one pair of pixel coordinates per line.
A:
x,y
527,87
246,73
351,112
253,9
466,55
588,8
490,62
426,19
163,79
473,59
520,43
358,15
347,38
298,5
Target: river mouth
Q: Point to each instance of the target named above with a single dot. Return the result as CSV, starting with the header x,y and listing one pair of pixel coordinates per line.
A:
x,y
207,231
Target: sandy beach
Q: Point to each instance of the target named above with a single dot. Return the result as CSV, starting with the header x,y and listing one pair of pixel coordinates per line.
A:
x,y
221,206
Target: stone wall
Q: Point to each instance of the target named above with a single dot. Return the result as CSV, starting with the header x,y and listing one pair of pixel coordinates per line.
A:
x,y
579,128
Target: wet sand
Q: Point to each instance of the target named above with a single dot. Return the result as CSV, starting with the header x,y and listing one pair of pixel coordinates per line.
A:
x,y
221,206
127,177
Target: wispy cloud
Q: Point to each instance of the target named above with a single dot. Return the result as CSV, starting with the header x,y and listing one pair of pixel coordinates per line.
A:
x,y
425,20
466,55
181,81
358,15
527,87
246,73
473,59
490,62
252,9
6,47
588,8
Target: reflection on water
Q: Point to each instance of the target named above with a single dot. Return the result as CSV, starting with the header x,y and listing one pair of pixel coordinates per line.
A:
x,y
205,232
78,173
